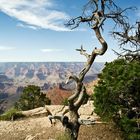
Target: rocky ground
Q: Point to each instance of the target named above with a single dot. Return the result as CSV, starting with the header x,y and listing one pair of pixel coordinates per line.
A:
x,y
38,127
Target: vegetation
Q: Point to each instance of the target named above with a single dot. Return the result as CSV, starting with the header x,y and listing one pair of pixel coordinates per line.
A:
x,y
31,98
11,114
65,101
63,136
117,96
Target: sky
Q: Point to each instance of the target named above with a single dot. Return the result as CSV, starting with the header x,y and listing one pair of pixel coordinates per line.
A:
x,y
34,31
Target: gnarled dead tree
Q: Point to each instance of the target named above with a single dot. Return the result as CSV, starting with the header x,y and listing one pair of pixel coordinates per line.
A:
x,y
129,35
95,13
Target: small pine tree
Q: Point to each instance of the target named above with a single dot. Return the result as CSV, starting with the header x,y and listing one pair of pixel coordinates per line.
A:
x,y
32,98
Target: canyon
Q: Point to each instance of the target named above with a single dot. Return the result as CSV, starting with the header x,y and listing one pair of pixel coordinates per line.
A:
x,y
49,76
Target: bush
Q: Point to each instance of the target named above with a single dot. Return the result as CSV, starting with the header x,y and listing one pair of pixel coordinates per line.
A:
x,y
117,96
63,136
11,114
31,98
65,101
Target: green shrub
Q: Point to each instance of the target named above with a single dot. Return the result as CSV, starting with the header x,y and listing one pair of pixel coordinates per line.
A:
x,y
65,101
130,128
11,114
31,98
117,96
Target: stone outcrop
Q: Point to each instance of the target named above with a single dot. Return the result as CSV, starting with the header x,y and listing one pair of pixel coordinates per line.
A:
x,y
86,111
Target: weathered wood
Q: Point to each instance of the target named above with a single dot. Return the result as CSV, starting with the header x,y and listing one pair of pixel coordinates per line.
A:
x,y
41,111
96,21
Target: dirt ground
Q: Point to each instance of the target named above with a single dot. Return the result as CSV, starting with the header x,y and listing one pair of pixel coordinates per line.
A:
x,y
99,132
41,129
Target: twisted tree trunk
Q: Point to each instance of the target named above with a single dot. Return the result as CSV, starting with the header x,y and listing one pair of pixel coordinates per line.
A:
x,y
73,123
81,90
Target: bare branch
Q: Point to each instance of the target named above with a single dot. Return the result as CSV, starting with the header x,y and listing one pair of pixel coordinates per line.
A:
x,y
89,122
78,88
72,77
94,53
83,52
81,98
129,54
86,122
50,117
98,15
83,72
63,119
92,4
119,55
102,41
130,34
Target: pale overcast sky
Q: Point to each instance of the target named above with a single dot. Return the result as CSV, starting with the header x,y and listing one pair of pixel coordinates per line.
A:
x,y
33,30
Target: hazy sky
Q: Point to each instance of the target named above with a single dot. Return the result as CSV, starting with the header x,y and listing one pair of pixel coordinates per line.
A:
x,y
33,30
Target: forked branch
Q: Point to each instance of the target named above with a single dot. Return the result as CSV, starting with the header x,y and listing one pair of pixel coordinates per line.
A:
x,y
83,52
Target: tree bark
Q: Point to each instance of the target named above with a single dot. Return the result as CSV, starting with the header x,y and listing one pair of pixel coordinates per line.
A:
x,y
73,127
